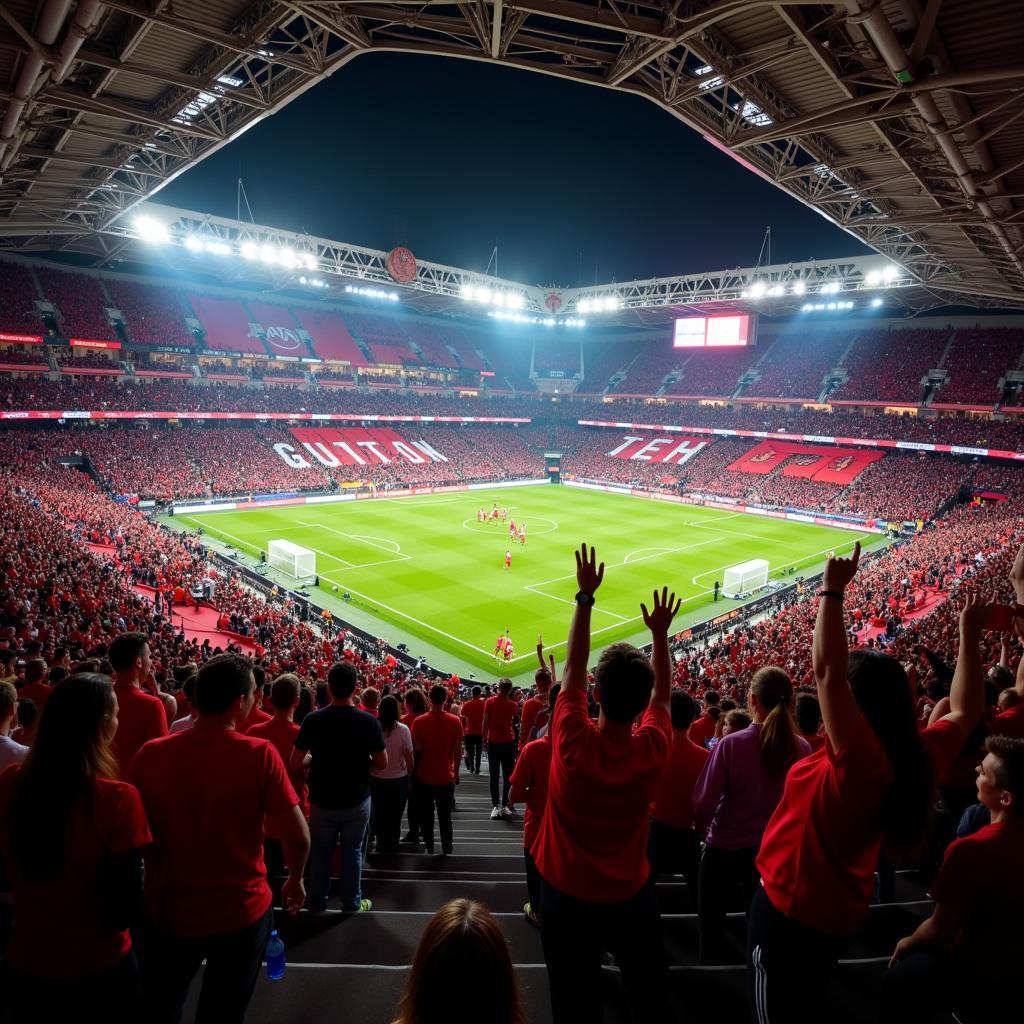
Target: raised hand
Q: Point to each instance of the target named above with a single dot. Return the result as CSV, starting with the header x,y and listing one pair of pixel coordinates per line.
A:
x,y
588,573
663,611
840,571
973,615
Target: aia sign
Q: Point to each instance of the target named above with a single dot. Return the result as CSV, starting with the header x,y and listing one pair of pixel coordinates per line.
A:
x,y
402,265
553,302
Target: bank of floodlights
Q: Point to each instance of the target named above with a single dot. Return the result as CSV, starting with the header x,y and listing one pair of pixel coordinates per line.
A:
x,y
599,304
371,293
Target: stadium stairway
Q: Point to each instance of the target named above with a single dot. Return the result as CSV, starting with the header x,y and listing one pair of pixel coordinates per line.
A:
x,y
355,964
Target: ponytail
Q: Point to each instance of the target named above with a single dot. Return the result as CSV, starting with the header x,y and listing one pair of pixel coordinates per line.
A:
x,y
882,691
780,747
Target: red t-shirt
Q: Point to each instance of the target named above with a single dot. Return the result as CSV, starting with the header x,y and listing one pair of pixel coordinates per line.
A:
x,y
501,713
206,792
531,773
702,730
820,849
1010,723
473,713
528,716
140,718
58,923
281,733
437,739
673,797
592,843
38,693
255,717
815,741
979,883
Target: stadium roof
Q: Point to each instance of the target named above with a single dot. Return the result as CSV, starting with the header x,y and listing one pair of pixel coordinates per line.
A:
x,y
902,124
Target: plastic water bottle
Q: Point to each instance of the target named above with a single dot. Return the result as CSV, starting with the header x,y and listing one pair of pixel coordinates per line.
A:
x,y
275,957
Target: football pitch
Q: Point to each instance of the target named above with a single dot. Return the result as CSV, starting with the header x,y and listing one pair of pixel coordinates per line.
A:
x,y
423,570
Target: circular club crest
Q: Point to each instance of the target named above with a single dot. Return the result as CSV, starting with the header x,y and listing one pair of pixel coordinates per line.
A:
x,y
402,265
553,301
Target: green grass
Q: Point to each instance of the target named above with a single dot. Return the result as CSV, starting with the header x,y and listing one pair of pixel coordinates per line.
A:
x,y
424,570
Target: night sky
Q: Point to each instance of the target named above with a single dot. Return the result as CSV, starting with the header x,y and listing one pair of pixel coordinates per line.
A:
x,y
573,184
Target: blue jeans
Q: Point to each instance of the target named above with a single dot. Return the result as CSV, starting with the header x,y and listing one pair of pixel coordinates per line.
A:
x,y
325,827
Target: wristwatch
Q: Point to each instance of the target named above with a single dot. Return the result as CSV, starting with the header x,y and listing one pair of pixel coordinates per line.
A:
x,y
584,599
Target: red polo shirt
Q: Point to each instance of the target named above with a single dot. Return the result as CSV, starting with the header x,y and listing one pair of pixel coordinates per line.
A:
x,y
437,738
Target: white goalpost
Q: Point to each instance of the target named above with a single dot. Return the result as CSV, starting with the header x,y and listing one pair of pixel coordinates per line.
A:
x,y
289,558
745,578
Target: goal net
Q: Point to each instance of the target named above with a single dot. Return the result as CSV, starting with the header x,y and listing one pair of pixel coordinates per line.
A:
x,y
291,559
745,577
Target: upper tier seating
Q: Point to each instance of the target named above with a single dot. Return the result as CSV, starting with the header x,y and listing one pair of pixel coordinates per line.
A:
x,y
796,364
80,300
226,324
714,372
331,338
888,365
17,293
977,360
154,313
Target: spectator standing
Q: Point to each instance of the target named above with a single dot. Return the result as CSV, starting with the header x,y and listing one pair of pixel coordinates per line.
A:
x,y
71,837
530,785
207,792
141,716
437,742
473,727
462,971
34,688
389,787
596,889
499,734
807,712
738,789
415,705
340,743
533,707
674,846
704,728
960,957
10,752
256,716
872,781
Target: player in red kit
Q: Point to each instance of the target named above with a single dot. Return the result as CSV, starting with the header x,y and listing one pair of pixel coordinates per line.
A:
x,y
508,559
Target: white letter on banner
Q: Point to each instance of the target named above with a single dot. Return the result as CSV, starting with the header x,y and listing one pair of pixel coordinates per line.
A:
x,y
406,452
328,458
373,447
651,446
684,452
288,453
345,447
625,444
429,450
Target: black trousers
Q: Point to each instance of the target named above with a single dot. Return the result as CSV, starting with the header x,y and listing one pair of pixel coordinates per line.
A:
x,y
389,797
575,935
233,961
728,881
441,797
789,966
113,993
474,749
501,757
532,882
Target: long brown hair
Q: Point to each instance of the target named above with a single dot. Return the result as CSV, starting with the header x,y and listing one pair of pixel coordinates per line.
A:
x,y
779,746
71,749
462,971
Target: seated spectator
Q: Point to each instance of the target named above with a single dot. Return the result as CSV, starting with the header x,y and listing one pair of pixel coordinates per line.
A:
x,y
207,793
873,781
461,971
71,837
340,744
736,794
10,752
596,886
389,786
530,785
674,846
960,957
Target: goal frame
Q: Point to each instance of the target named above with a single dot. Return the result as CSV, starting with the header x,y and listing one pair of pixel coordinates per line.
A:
x,y
745,577
291,559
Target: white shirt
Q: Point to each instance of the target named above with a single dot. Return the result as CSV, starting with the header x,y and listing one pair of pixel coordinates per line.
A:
x,y
11,752
396,743
182,724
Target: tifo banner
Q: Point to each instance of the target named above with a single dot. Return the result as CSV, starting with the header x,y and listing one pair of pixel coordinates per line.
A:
x,y
353,446
823,465
657,449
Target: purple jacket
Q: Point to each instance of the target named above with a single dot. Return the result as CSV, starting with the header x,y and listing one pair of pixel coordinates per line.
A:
x,y
734,797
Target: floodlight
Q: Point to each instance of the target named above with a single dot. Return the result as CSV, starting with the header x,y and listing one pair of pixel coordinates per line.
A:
x,y
467,292
876,302
872,278
309,261
777,290
152,231
499,298
193,243
583,305
287,258
268,254
799,287
806,307
483,295
218,248
515,301
890,273
831,305
758,289
249,250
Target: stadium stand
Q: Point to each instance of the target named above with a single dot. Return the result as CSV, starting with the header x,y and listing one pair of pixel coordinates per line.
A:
x,y
977,361
795,365
17,293
225,324
602,361
153,313
889,365
331,338
433,343
80,300
715,374
559,354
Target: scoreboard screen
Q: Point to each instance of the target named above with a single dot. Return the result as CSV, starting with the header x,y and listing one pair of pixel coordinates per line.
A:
x,y
725,331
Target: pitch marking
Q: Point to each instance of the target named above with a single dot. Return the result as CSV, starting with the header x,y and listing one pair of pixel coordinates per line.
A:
x,y
664,551
533,533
